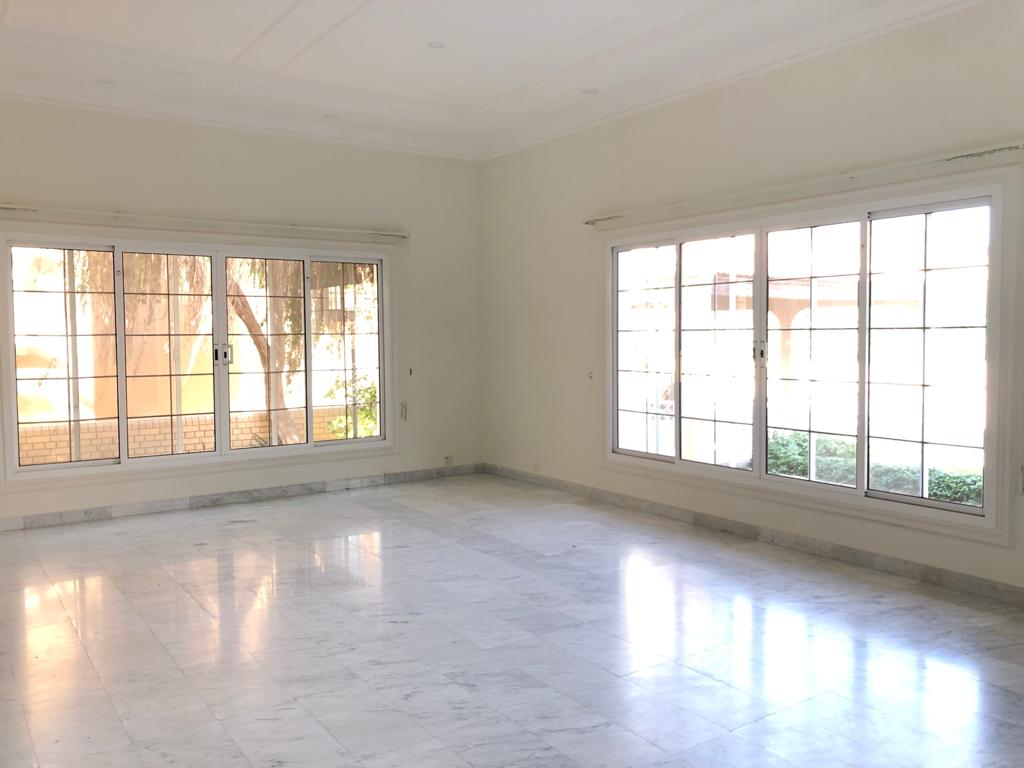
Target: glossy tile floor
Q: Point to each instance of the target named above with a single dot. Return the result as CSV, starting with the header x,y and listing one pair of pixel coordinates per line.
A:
x,y
481,622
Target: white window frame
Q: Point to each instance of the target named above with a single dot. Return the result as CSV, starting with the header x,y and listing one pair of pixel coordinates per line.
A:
x,y
1003,470
110,239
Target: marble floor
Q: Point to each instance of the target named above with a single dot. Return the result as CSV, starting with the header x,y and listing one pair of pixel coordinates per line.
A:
x,y
481,622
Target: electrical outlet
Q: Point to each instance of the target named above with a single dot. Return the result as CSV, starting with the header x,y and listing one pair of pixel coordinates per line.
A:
x,y
447,461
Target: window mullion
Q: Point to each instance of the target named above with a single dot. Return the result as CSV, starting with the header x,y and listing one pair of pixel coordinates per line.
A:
x,y
220,340
760,346
307,328
863,295
122,356
678,386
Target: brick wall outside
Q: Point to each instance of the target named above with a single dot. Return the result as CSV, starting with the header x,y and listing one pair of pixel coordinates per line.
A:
x,y
49,443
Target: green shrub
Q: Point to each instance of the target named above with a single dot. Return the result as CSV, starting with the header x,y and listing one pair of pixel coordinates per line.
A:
x,y
836,462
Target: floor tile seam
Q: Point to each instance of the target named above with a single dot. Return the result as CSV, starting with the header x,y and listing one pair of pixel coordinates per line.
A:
x,y
312,715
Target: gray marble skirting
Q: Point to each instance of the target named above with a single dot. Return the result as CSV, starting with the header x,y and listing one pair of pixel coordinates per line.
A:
x,y
926,573
46,519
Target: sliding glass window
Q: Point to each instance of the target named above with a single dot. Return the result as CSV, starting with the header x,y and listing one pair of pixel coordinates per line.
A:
x,y
646,369
65,355
846,354
716,383
125,355
927,374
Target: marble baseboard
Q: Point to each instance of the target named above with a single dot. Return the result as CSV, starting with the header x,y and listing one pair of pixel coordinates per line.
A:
x,y
202,501
961,582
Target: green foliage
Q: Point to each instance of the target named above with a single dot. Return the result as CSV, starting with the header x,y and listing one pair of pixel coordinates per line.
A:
x,y
364,392
958,487
788,453
836,462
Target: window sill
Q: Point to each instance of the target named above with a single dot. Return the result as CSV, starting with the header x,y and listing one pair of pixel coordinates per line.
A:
x,y
988,529
202,464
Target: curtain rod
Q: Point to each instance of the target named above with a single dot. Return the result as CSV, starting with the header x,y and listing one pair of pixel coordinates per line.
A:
x,y
986,157
17,213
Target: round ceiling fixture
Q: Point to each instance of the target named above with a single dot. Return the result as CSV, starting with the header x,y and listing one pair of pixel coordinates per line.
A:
x,y
589,91
437,44
332,115
106,81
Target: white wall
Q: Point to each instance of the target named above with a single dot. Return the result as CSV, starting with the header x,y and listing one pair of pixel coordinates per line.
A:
x,y
500,292
951,83
65,158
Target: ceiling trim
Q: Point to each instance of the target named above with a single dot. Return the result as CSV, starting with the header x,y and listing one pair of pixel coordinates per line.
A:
x,y
747,74
418,124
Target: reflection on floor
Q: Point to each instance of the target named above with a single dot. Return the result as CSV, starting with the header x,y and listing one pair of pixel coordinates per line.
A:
x,y
477,621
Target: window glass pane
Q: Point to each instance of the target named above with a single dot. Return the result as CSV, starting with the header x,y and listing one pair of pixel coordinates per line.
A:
x,y
789,354
42,400
697,396
955,474
190,315
697,352
897,356
169,353
346,350
646,310
789,404
97,355
191,394
144,314
41,357
956,356
41,314
193,433
148,396
697,306
718,260
191,354
698,440
956,297
897,301
789,253
789,304
38,269
834,301
646,319
734,398
148,355
789,453
734,445
91,272
834,459
145,273
834,356
954,415
958,238
894,466
644,268
897,244
90,313
65,355
44,443
813,368
894,410
717,366
835,250
284,278
267,375
189,274
834,407
927,382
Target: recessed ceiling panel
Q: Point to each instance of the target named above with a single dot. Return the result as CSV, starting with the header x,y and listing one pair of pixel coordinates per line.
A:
x,y
471,78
